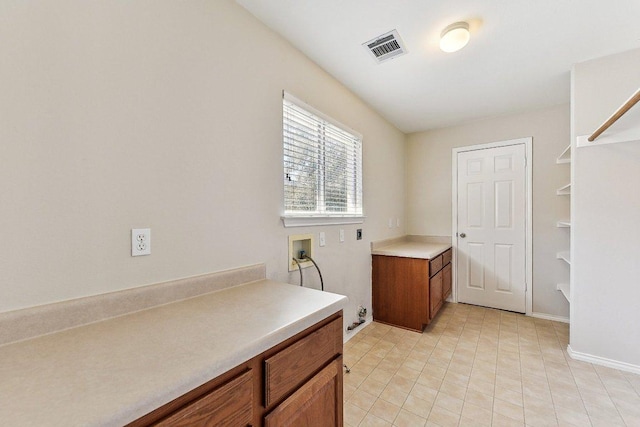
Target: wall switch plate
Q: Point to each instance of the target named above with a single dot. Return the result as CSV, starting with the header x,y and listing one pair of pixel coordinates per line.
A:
x,y
140,241
341,235
397,222
359,234
390,222
322,239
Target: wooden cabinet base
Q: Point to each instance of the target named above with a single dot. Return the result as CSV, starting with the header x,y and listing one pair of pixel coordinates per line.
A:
x,y
314,403
435,290
401,291
446,281
289,368
409,292
227,405
304,387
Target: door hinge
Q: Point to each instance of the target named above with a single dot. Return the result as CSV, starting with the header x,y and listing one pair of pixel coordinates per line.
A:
x,y
525,161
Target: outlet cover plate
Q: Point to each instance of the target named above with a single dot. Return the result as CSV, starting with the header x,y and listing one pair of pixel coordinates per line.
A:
x,y
140,241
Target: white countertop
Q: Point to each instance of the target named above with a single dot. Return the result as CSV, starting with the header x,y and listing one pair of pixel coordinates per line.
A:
x,y
112,372
412,250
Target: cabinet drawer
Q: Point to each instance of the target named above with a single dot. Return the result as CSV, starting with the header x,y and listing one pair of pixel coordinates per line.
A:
x,y
231,404
292,366
435,265
446,257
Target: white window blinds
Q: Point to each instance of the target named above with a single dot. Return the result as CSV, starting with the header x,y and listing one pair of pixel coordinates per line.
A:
x,y
322,163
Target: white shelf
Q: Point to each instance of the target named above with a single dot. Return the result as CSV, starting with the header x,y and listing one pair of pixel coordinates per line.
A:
x,y
564,191
564,288
565,157
626,129
629,136
565,256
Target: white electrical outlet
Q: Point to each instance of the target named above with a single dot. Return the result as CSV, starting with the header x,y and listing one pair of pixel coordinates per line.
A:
x,y
390,222
341,235
323,240
397,222
140,241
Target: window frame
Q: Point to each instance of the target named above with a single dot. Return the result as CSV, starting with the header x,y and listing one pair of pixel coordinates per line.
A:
x,y
300,219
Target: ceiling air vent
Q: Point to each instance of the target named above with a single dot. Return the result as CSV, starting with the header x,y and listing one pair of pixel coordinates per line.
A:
x,y
386,46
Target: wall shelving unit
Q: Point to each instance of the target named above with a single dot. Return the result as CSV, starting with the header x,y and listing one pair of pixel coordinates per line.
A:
x,y
564,190
563,287
565,256
626,130
624,133
565,157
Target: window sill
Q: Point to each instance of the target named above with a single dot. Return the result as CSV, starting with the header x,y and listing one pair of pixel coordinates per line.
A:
x,y
305,221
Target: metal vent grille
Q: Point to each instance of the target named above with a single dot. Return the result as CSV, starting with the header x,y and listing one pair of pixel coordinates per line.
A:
x,y
386,46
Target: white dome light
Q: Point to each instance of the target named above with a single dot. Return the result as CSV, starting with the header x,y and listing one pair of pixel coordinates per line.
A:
x,y
454,37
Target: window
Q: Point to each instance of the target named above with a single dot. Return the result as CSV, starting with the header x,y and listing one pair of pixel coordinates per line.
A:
x,y
322,167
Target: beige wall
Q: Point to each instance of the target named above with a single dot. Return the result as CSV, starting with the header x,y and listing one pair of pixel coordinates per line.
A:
x,y
165,115
428,175
605,214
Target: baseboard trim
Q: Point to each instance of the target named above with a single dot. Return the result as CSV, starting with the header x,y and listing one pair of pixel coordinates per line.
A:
x,y
602,361
550,317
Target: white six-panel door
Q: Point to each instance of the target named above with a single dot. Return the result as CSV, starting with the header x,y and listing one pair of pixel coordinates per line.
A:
x,y
491,227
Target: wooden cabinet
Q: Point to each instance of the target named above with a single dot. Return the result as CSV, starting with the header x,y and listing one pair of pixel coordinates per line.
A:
x,y
227,405
409,292
446,281
435,264
440,282
290,367
401,291
435,294
446,257
313,404
297,382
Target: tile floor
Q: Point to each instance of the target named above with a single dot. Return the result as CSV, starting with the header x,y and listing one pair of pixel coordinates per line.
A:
x,y
481,367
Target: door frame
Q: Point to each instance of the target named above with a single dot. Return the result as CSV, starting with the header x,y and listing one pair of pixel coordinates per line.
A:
x,y
528,244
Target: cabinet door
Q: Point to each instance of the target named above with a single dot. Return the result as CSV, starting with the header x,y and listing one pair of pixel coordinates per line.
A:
x,y
435,294
228,405
400,289
317,403
446,281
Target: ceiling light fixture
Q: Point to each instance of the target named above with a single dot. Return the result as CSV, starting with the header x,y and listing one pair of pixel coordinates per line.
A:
x,y
454,37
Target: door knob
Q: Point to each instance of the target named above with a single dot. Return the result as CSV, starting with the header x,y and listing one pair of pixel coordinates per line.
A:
x,y
463,235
